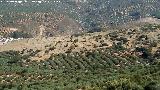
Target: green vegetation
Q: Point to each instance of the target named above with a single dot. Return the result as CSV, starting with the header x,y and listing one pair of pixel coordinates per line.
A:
x,y
150,27
20,35
102,69
156,14
115,68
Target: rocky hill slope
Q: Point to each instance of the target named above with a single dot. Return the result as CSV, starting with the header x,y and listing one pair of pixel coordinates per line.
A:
x,y
147,36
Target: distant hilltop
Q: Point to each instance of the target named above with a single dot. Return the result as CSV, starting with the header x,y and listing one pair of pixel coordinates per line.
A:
x,y
26,1
79,1
39,1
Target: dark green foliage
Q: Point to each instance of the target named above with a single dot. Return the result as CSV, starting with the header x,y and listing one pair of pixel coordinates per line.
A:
x,y
152,86
17,35
156,14
157,54
113,35
98,69
146,53
150,27
122,39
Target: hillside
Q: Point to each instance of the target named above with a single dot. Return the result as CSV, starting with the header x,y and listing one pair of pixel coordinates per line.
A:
x,y
88,15
29,25
145,36
126,58
79,45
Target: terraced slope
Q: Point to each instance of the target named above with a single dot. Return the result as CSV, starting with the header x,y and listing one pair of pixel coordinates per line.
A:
x,y
100,69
